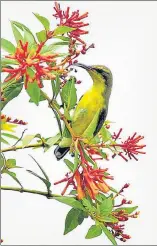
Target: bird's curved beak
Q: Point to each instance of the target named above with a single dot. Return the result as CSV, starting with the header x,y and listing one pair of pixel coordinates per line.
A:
x,y
83,66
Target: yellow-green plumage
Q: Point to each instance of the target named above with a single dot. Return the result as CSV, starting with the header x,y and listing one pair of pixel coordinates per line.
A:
x,y
92,106
92,102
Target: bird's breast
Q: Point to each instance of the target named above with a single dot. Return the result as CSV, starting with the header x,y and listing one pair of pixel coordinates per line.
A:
x,y
91,103
93,99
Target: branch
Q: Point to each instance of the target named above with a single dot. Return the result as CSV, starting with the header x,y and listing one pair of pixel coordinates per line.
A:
x,y
37,192
19,138
14,148
54,107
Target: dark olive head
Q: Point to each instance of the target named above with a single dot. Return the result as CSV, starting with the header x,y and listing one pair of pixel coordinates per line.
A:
x,y
99,70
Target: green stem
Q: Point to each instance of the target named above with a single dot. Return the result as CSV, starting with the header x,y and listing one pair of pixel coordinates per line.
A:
x,y
14,148
37,192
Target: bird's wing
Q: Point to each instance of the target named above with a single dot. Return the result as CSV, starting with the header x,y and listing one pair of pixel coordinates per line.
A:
x,y
101,119
79,121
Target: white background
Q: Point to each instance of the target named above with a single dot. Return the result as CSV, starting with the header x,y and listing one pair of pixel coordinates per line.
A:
x,y
125,35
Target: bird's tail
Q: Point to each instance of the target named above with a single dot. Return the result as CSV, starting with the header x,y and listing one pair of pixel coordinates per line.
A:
x,y
60,152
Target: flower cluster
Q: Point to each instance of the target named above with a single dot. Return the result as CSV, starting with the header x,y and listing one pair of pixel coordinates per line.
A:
x,y
87,179
73,20
130,147
32,59
122,215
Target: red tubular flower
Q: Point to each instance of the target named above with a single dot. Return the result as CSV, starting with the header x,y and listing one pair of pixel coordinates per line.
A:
x,y
131,146
27,60
73,20
94,181
80,191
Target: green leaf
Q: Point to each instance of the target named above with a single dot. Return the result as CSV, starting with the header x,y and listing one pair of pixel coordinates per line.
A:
x,y
95,140
100,198
41,36
28,38
2,161
88,206
10,163
44,21
94,231
4,141
63,38
62,30
7,46
52,47
106,206
31,72
106,135
11,92
82,215
7,61
73,192
58,82
128,210
66,133
44,173
87,157
58,121
45,181
13,175
60,44
66,113
110,219
9,135
103,154
23,27
55,86
88,133
68,94
34,92
51,141
69,164
76,161
72,220
16,33
70,201
27,139
113,189
42,98
109,235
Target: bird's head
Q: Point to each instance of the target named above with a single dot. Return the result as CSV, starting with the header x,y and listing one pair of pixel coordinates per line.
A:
x,y
98,73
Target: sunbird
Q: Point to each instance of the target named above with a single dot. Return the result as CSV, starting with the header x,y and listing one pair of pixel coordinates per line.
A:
x,y
93,106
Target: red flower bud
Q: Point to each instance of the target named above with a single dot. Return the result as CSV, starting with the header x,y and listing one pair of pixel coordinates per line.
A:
x,y
124,201
123,218
83,52
78,82
126,236
126,186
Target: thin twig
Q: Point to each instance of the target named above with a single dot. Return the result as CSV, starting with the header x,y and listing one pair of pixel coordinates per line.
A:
x,y
20,138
